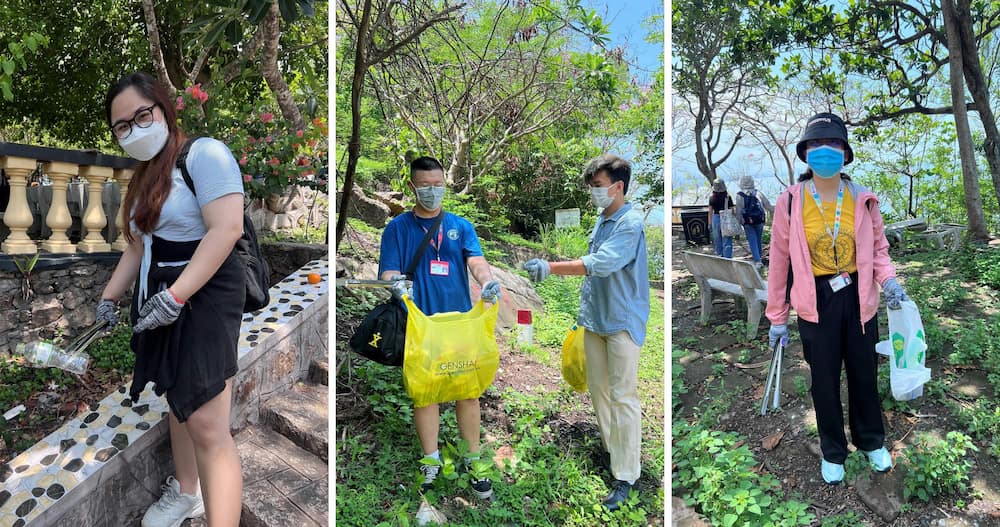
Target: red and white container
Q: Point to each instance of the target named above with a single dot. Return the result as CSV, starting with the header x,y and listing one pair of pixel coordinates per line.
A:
x,y
525,330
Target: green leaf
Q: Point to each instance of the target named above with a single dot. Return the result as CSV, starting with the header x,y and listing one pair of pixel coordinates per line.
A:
x,y
729,519
5,87
8,67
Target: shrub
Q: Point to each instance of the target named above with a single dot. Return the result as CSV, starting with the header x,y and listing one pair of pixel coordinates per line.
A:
x,y
937,467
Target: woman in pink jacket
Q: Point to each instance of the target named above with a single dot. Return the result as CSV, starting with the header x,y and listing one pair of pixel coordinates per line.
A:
x,y
829,255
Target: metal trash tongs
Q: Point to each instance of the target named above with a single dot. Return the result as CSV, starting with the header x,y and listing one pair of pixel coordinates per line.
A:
x,y
774,377
88,336
353,282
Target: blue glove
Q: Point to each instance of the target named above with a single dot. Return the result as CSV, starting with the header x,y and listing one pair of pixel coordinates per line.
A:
x,y
538,269
777,331
160,310
492,292
894,293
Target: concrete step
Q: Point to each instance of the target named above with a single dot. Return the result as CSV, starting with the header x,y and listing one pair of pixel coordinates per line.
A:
x,y
301,414
319,372
283,484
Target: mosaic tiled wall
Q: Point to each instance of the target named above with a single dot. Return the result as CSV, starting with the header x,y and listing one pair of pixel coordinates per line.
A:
x,y
70,459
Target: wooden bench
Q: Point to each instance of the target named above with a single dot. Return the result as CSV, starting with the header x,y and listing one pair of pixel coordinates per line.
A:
x,y
735,277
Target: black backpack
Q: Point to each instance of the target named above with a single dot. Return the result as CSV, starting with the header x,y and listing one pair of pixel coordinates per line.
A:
x,y
381,336
753,211
255,267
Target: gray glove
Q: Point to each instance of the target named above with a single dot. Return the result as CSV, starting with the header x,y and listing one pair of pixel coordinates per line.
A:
x,y
401,287
491,292
777,331
538,269
160,310
107,311
894,293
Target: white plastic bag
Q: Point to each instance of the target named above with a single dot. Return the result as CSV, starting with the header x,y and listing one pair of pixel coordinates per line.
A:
x,y
906,349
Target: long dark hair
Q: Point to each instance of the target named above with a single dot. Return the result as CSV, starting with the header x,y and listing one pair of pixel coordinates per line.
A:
x,y
808,174
151,184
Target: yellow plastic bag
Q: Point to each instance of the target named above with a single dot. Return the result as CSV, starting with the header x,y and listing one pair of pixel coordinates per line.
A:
x,y
574,359
449,356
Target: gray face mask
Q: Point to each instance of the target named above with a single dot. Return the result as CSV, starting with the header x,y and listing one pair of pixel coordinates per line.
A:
x,y
430,198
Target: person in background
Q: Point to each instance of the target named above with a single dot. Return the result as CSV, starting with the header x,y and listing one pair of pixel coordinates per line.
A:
x,y
750,207
440,284
828,238
614,308
717,202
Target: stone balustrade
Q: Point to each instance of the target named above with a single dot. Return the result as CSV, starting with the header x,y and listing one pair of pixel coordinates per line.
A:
x,y
20,162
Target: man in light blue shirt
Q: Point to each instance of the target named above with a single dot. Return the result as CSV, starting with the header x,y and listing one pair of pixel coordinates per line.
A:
x,y
614,307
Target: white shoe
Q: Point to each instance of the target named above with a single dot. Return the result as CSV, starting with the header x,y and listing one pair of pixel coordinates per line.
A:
x,y
173,507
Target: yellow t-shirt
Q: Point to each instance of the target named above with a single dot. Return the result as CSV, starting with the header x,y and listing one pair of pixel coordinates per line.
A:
x,y
824,258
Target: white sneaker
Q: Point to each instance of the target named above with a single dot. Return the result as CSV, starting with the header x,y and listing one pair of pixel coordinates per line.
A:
x,y
173,507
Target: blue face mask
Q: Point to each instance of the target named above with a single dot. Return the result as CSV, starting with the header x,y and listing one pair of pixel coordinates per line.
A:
x,y
825,161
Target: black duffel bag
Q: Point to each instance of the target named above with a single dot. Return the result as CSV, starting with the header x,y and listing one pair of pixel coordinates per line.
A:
x,y
381,337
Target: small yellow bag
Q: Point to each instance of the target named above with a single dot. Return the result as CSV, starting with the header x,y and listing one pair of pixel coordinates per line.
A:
x,y
449,356
574,359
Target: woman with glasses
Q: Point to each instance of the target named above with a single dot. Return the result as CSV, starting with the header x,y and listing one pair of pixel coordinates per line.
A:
x,y
188,297
829,256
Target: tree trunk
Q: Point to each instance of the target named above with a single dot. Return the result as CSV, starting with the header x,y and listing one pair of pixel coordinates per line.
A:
x,y
979,89
272,74
354,146
458,177
909,200
155,49
970,180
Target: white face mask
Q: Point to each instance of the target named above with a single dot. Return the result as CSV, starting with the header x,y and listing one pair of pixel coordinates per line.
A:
x,y
144,143
599,196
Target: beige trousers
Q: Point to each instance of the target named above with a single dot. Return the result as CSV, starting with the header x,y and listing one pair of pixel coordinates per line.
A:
x,y
613,380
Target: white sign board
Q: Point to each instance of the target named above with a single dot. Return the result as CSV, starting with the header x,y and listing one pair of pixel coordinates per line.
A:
x,y
567,218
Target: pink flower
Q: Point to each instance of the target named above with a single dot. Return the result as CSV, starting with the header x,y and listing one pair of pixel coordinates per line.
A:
x,y
180,102
275,161
247,178
298,133
252,140
267,117
243,161
307,173
269,139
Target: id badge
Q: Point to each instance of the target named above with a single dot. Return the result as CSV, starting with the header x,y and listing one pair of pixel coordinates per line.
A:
x,y
439,268
840,281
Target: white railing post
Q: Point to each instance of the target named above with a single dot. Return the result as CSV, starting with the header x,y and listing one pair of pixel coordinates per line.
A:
x,y
18,216
94,219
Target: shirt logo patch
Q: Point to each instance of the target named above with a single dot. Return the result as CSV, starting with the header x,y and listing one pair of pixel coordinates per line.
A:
x,y
452,234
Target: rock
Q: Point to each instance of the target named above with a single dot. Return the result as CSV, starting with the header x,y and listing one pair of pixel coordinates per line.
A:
x,y
393,200
45,310
518,293
366,209
684,516
882,493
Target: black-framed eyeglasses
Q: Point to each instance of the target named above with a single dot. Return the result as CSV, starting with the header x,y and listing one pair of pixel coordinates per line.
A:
x,y
142,118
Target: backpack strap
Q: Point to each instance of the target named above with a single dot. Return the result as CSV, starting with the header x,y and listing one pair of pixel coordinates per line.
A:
x,y
423,245
182,162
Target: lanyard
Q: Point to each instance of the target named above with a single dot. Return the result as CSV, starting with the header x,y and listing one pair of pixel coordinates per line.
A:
x,y
836,215
440,238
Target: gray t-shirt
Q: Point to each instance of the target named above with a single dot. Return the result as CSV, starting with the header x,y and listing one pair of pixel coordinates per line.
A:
x,y
215,173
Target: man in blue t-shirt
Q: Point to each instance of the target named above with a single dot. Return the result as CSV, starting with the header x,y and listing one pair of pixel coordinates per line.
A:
x,y
614,307
439,284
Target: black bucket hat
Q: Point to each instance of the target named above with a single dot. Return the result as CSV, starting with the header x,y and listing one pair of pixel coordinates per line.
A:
x,y
825,126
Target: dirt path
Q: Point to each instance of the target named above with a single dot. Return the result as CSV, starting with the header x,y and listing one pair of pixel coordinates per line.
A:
x,y
716,367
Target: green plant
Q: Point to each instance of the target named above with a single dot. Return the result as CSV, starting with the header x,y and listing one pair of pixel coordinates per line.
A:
x,y
801,385
566,242
25,266
937,467
114,352
273,157
677,387
847,519
857,466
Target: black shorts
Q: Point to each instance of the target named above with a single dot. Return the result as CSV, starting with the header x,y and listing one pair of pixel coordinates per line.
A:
x,y
191,359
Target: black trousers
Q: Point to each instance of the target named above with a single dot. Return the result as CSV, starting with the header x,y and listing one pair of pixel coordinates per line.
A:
x,y
838,339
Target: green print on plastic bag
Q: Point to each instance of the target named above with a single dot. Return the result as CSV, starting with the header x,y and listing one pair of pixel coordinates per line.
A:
x,y
898,348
